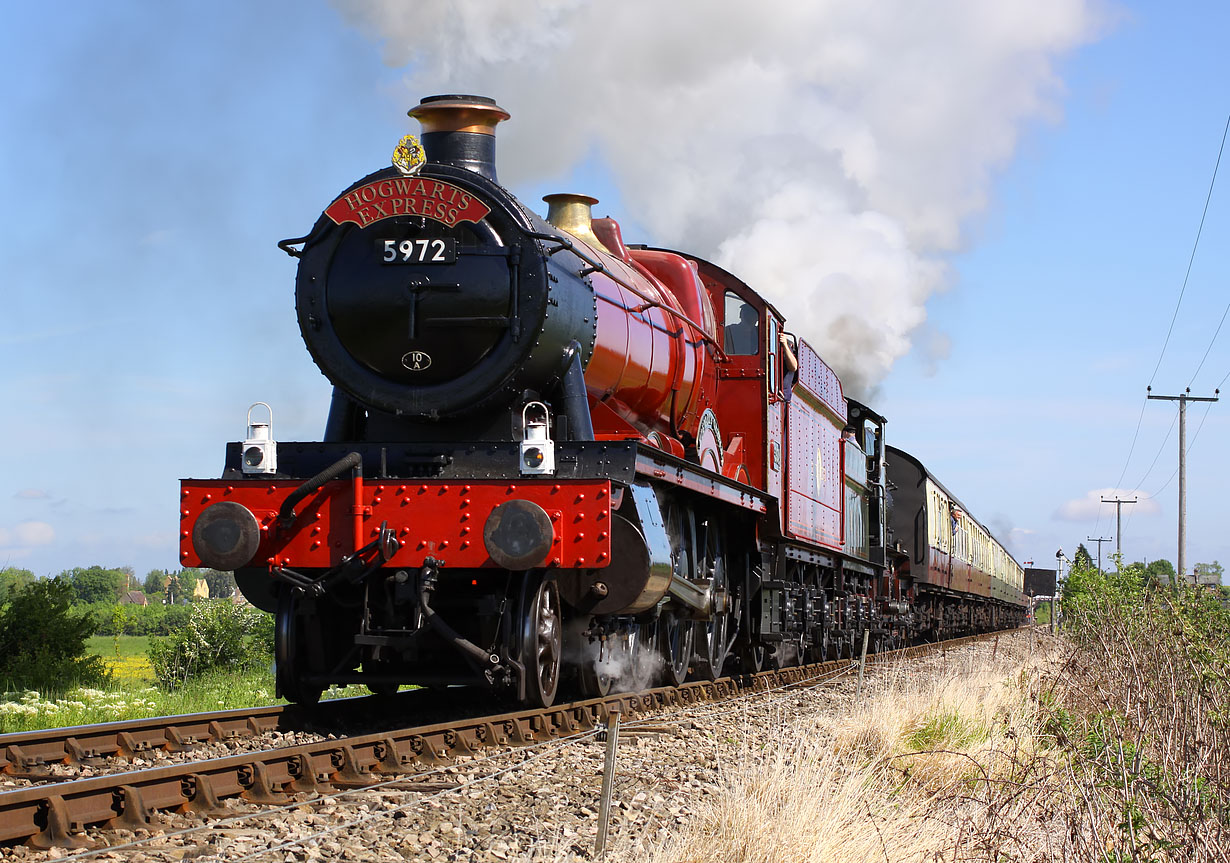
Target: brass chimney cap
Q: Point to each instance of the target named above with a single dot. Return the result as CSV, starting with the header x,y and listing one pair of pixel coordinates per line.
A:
x,y
569,198
454,113
571,212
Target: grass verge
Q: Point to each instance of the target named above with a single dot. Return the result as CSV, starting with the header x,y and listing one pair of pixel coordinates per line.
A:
x,y
31,710
931,767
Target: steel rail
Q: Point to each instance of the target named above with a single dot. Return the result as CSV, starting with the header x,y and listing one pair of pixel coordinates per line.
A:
x,y
52,815
29,754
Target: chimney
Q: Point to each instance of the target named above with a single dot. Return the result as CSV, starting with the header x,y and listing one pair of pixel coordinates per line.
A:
x,y
574,214
460,131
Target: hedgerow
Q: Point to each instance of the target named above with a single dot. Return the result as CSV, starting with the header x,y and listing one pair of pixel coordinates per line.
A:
x,y
1147,721
217,635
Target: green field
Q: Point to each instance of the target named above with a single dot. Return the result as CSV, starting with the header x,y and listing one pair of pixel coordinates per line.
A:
x,y
132,693
125,656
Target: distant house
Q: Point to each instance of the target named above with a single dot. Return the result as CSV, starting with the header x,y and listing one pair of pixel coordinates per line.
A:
x,y
201,591
1204,578
134,597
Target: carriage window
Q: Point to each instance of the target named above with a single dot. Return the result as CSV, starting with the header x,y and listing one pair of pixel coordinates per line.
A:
x,y
742,335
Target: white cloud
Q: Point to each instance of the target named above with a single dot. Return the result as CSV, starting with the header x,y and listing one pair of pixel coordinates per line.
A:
x,y
830,154
32,494
1090,507
26,535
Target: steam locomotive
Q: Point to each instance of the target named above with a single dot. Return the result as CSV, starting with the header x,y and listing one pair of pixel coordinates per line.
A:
x,y
557,460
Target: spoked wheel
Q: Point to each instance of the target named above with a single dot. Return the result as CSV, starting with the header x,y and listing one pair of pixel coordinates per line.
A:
x,y
752,657
819,652
817,647
641,652
645,652
621,666
594,676
290,652
675,636
714,636
593,682
542,639
786,654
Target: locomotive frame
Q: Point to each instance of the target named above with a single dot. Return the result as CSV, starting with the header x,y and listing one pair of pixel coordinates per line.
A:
x,y
556,460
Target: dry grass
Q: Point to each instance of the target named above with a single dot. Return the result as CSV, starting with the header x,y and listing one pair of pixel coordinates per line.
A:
x,y
926,769
1109,747
805,802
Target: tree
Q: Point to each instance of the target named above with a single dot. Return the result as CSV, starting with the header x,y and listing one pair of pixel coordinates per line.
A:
x,y
221,584
95,584
1160,571
183,583
13,579
1210,573
42,640
1082,559
155,583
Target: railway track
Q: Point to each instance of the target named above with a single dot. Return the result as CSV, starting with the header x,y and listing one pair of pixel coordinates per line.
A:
x,y
56,813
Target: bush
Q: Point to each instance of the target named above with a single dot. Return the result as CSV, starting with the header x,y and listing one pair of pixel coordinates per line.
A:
x,y
42,640
1147,689
218,635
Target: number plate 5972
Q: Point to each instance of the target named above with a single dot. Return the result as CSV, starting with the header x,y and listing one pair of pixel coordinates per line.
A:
x,y
440,250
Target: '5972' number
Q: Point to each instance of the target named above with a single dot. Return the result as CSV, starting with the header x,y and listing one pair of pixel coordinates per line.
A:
x,y
421,251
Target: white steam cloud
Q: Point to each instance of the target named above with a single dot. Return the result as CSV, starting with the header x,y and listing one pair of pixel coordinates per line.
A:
x,y
828,153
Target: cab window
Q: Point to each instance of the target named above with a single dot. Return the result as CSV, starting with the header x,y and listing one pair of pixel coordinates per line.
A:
x,y
742,331
774,369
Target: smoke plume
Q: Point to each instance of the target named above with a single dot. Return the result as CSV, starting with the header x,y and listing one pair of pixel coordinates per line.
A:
x,y
828,153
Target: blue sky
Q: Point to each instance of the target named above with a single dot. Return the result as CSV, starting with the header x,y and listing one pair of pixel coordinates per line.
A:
x,y
155,153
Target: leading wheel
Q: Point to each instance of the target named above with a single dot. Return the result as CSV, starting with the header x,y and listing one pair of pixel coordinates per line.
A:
x,y
541,640
291,640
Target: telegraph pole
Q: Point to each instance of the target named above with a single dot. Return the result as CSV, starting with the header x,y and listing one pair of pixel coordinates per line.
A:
x,y
1182,398
1099,540
1119,502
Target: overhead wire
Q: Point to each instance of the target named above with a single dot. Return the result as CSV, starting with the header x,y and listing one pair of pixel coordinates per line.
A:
x,y
1210,347
1192,258
1170,330
1161,448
